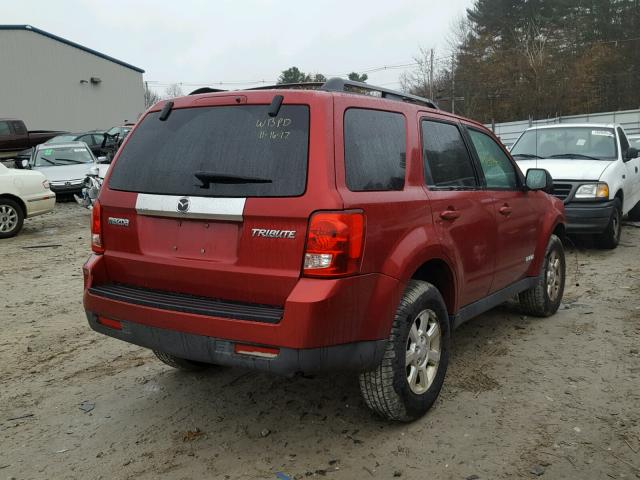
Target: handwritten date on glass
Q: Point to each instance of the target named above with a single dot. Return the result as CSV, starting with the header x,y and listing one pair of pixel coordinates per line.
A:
x,y
273,128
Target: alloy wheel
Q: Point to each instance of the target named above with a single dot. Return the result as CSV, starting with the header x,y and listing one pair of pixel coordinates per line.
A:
x,y
554,275
8,218
423,351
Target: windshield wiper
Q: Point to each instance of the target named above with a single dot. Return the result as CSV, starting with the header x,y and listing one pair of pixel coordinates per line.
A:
x,y
573,155
526,155
208,178
70,160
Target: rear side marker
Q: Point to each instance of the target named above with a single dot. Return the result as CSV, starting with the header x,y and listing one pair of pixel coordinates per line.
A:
x,y
110,322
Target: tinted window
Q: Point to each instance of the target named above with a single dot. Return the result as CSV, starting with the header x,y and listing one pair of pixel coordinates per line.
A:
x,y
624,143
88,139
4,128
19,128
375,150
498,170
446,160
241,150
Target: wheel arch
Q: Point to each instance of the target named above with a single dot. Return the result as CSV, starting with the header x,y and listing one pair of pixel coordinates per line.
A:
x,y
620,195
437,272
16,199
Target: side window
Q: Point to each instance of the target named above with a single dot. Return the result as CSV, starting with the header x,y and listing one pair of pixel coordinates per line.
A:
x,y
446,159
19,128
4,128
498,170
88,139
375,150
624,143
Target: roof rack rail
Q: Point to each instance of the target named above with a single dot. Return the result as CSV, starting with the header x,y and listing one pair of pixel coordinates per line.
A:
x,y
337,84
300,85
198,91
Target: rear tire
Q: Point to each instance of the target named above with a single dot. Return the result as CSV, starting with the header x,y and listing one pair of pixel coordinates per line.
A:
x,y
181,363
610,238
11,218
408,380
544,299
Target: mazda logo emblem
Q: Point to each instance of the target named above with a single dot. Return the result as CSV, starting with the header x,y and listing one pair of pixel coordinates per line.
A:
x,y
183,205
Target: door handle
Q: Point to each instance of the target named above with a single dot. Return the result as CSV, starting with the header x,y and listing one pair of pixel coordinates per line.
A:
x,y
449,214
505,210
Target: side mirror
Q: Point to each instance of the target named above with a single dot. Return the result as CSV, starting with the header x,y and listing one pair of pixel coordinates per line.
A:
x,y
103,159
539,179
24,163
631,153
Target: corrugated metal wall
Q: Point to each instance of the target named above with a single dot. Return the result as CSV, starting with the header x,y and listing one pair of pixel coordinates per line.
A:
x,y
40,83
510,131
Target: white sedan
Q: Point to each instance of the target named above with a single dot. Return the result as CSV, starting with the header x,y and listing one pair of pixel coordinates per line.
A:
x,y
23,194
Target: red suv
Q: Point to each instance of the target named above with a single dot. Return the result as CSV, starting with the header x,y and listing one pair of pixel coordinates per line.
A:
x,y
316,227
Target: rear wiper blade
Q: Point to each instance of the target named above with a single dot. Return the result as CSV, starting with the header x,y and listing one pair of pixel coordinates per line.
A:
x,y
208,178
526,155
574,155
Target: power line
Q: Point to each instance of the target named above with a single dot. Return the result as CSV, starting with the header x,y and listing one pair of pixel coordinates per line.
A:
x,y
442,61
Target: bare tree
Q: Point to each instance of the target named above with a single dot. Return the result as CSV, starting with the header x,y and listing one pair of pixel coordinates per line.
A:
x,y
173,90
420,80
150,97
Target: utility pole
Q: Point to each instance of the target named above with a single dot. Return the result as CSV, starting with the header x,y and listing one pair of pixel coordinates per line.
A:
x,y
431,76
453,84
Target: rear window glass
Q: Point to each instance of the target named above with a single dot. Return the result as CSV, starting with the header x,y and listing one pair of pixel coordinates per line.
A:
x,y
228,151
375,150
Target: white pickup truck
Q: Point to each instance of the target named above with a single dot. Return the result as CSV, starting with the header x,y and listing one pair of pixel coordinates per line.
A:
x,y
595,170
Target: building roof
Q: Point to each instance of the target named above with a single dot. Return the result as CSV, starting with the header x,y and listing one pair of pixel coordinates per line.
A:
x,y
29,28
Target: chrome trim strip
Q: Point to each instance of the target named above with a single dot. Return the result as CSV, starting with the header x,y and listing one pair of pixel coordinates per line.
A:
x,y
206,208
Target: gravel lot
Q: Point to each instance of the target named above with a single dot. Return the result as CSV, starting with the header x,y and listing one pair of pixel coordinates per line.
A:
x,y
558,396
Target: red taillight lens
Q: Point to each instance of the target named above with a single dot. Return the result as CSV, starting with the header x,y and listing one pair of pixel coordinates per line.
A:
x,y
334,244
96,229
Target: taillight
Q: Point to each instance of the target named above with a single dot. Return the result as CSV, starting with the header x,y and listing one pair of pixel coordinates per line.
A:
x,y
334,244
96,229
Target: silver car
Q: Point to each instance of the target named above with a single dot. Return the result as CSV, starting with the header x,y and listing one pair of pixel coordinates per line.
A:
x,y
65,165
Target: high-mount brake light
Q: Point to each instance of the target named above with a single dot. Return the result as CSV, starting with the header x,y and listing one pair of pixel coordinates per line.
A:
x,y
335,243
96,228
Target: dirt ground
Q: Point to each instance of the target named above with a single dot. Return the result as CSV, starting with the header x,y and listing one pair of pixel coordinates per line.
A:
x,y
558,397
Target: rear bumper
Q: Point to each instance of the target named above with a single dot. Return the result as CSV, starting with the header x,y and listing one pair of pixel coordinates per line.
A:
x,y
588,217
357,356
324,324
39,206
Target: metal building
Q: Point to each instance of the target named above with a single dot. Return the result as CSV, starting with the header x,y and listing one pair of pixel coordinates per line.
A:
x,y
55,84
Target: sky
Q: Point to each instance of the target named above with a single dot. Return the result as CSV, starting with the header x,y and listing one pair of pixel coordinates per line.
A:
x,y
243,42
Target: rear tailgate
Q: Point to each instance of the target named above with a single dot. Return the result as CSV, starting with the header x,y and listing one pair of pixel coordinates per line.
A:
x,y
214,201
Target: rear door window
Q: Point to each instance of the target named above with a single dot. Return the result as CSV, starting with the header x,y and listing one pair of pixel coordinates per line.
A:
x,y
375,150
447,162
19,128
225,151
